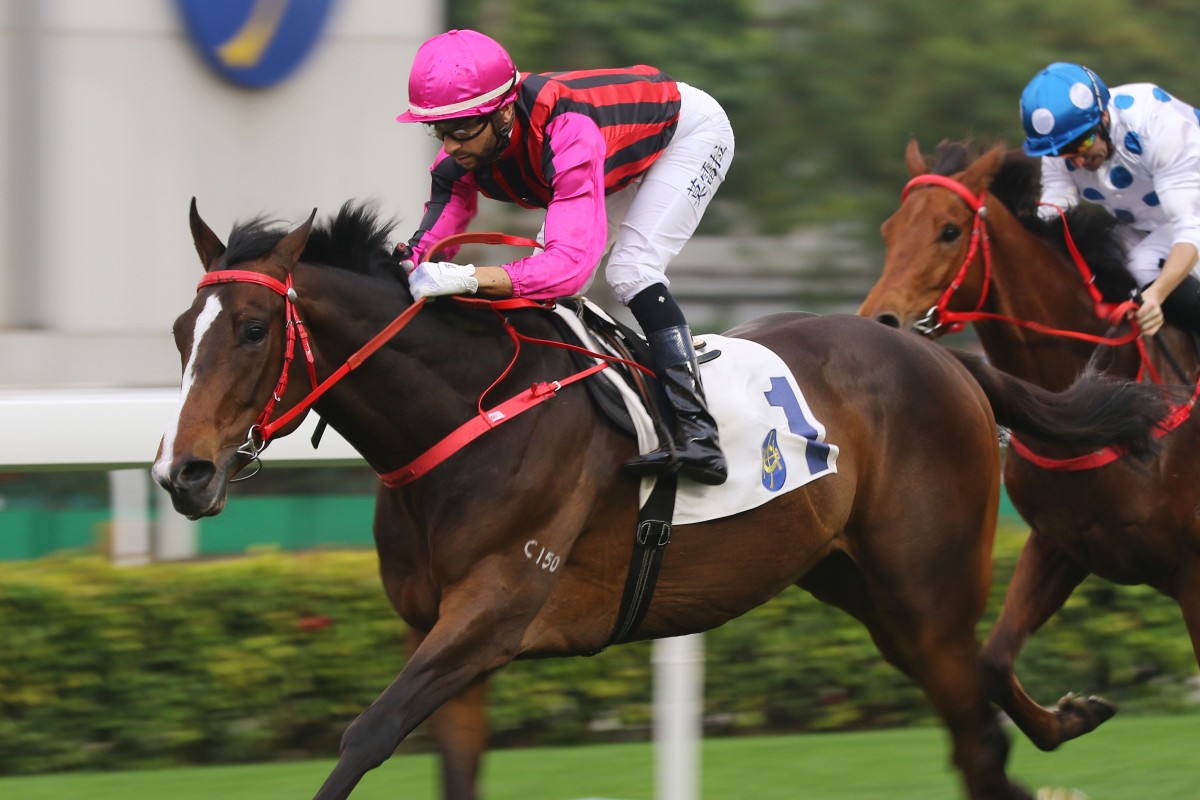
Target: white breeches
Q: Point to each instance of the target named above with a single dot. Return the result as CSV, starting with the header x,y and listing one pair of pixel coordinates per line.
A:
x,y
651,220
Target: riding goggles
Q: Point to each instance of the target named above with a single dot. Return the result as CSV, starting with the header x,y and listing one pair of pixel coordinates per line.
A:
x,y
460,130
1081,145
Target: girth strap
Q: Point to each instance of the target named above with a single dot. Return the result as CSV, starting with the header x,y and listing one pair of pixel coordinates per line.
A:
x,y
653,534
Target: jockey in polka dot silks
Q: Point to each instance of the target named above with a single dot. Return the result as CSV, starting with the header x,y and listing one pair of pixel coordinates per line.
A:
x,y
1136,151
626,159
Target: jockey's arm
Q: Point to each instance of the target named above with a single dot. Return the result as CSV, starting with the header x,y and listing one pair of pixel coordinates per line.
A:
x,y
1177,184
493,282
1176,267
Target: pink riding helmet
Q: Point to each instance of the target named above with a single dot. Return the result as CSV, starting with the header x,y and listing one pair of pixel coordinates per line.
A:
x,y
459,74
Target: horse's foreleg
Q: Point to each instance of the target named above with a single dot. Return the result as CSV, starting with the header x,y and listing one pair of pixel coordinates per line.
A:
x,y
478,630
1043,580
459,730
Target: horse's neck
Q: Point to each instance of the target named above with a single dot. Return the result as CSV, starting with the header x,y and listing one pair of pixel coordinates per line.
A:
x,y
1032,282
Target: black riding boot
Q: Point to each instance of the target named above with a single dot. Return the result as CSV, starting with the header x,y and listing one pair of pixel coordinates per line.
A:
x,y
695,452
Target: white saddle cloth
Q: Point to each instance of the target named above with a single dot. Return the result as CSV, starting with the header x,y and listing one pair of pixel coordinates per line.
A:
x,y
773,442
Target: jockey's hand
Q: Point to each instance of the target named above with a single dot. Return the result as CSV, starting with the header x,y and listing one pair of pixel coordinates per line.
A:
x,y
437,278
406,258
1150,314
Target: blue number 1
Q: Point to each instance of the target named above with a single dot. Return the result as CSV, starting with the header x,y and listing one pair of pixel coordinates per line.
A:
x,y
782,396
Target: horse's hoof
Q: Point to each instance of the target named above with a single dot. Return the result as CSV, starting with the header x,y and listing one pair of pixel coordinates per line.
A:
x,y
1079,715
1060,793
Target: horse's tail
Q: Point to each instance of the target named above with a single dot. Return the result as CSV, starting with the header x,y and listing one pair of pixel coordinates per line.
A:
x,y
1096,411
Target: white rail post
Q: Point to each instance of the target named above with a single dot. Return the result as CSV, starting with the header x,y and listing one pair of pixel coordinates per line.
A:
x,y
129,491
175,536
678,716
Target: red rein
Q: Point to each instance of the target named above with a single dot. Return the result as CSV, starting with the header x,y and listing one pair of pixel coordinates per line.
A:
x,y
264,428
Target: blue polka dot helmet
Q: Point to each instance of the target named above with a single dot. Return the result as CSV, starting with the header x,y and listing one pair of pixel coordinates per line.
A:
x,y
1062,102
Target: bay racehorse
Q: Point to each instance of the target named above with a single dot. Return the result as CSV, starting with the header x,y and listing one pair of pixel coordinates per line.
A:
x,y
966,244
899,536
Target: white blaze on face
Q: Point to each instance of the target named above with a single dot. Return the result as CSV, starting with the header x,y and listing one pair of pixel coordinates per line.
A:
x,y
204,321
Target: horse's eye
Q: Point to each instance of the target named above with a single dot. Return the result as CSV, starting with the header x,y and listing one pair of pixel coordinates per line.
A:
x,y
950,233
254,333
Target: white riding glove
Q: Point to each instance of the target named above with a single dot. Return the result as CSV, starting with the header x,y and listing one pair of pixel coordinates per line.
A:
x,y
437,278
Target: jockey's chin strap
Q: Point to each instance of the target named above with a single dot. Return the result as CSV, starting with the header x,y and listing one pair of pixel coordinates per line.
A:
x,y
264,428
939,318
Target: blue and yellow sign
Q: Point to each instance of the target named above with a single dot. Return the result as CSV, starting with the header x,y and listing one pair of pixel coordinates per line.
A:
x,y
255,43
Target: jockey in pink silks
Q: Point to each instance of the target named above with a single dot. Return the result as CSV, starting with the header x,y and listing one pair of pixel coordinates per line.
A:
x,y
626,159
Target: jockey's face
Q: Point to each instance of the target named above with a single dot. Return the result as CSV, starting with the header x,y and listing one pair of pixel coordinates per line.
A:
x,y
1092,149
473,142
1091,158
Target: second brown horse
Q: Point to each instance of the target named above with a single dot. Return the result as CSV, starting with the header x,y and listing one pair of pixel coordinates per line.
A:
x,y
1128,522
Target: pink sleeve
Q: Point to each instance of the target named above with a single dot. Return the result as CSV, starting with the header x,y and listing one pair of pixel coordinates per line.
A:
x,y
452,205
576,229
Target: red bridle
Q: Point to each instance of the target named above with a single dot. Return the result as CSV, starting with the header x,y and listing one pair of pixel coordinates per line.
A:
x,y
262,429
933,319
940,317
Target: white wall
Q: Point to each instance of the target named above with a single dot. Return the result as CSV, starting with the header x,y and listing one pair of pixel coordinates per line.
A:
x,y
113,122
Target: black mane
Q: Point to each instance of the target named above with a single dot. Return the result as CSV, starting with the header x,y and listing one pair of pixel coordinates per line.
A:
x,y
355,239
1017,184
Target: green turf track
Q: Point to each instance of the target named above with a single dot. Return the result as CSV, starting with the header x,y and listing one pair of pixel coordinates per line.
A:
x,y
1130,757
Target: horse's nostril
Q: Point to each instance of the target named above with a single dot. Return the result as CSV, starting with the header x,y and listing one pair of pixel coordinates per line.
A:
x,y
193,474
891,320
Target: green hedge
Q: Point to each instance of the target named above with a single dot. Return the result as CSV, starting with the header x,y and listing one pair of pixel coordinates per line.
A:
x,y
272,656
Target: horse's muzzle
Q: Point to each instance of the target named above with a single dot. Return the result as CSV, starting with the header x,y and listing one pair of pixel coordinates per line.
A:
x,y
197,487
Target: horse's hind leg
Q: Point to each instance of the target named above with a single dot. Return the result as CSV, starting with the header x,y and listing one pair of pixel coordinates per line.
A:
x,y
1043,580
932,641
1188,597
459,730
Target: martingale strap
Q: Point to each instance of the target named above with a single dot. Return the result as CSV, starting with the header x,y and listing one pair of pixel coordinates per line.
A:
x,y
478,425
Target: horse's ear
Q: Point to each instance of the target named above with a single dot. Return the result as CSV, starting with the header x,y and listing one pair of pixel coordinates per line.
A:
x,y
208,245
914,160
291,247
979,175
